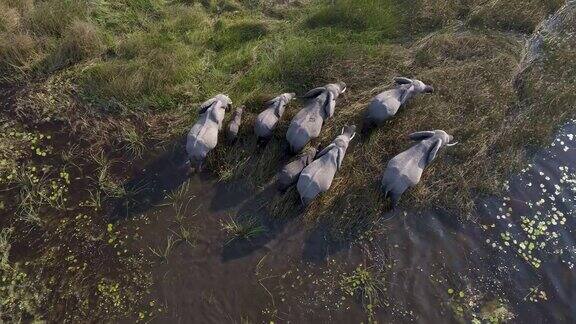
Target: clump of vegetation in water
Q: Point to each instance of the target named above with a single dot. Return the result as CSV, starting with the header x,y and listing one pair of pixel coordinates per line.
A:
x,y
164,251
469,306
367,286
245,228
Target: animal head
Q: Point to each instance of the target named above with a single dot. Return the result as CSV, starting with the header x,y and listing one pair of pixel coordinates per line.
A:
x,y
226,102
288,96
240,110
436,135
349,131
419,86
224,99
439,139
336,89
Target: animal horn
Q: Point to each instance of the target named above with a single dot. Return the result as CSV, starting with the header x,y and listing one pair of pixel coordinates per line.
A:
x,y
452,144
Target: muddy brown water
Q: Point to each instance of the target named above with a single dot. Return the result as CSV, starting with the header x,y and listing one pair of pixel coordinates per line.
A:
x,y
520,249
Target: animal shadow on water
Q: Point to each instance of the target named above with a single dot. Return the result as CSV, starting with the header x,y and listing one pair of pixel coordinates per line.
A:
x,y
337,233
150,184
254,214
319,244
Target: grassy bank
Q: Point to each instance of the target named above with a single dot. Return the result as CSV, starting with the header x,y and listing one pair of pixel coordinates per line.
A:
x,y
92,89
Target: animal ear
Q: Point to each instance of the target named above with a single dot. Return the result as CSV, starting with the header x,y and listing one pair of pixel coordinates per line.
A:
x,y
418,136
271,102
330,105
434,151
314,92
406,93
205,105
339,158
276,103
402,80
325,150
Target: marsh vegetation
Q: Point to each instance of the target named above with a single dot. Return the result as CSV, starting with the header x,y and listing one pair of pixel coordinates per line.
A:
x,y
92,90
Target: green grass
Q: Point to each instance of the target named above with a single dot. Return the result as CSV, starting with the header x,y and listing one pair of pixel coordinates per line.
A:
x,y
507,15
377,16
118,81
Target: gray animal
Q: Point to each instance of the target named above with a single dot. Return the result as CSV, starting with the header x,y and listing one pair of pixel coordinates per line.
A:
x,y
291,171
320,106
317,177
405,169
234,125
268,119
203,136
386,104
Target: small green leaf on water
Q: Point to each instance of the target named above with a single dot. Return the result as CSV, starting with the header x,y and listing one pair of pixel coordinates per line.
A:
x,y
461,294
450,291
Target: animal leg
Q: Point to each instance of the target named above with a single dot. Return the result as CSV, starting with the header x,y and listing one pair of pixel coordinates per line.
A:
x,y
385,191
305,201
190,168
368,126
395,197
262,141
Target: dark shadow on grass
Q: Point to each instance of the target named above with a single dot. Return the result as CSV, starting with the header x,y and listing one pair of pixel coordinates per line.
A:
x,y
150,184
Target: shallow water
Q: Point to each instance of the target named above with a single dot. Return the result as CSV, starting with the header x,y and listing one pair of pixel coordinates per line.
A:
x,y
520,249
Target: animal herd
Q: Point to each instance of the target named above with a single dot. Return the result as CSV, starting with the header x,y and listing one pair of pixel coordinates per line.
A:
x,y
313,170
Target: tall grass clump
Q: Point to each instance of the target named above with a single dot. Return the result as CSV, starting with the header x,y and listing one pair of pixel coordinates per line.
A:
x,y
18,55
83,40
121,17
232,35
154,68
145,77
19,50
298,63
357,15
247,228
53,17
511,15
427,15
37,37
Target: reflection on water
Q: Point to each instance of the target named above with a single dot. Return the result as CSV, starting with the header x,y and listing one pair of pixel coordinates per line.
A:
x,y
517,257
